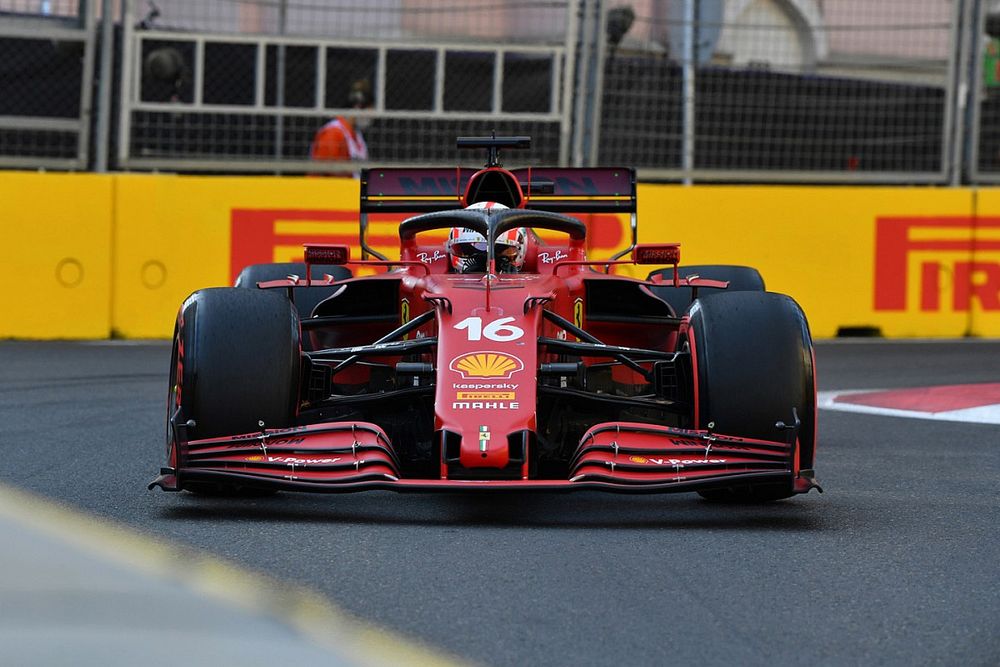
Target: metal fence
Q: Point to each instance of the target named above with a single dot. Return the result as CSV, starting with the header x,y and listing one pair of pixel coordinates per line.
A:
x,y
690,90
782,90
983,139
251,94
46,77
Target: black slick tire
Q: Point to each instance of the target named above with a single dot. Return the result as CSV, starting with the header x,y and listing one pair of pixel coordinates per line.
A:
x,y
754,358
236,363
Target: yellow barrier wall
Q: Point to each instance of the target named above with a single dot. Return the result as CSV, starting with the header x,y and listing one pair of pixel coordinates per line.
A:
x,y
825,245
119,253
55,255
176,234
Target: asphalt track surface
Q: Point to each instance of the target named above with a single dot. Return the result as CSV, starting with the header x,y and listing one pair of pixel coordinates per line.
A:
x,y
897,563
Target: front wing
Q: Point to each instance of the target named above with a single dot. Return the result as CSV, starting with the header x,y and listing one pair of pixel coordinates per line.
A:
x,y
619,457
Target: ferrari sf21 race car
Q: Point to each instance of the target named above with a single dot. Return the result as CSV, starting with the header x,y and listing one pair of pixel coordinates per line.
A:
x,y
556,377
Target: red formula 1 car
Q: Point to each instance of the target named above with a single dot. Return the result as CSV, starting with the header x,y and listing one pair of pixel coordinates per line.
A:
x,y
559,376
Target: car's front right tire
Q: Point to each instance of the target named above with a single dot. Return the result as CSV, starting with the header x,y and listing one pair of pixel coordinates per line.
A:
x,y
754,364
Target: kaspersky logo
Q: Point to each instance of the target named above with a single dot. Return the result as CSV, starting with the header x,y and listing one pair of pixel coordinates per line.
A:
x,y
937,263
476,365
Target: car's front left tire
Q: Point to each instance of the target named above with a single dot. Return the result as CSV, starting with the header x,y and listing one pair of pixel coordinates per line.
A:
x,y
236,364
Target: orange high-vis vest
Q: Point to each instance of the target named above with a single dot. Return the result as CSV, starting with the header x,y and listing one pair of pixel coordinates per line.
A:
x,y
338,140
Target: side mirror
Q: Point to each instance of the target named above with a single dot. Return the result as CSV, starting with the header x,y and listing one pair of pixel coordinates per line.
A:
x,y
657,253
327,253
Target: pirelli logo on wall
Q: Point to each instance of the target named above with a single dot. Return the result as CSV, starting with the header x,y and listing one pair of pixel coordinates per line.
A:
x,y
261,236
937,264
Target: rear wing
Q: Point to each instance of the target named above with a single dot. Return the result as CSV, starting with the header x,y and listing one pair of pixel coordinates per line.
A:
x,y
568,190
555,189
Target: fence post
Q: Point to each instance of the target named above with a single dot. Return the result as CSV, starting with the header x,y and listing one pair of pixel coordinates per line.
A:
x,y
86,88
125,86
597,95
279,81
688,109
101,140
584,68
572,41
976,96
964,12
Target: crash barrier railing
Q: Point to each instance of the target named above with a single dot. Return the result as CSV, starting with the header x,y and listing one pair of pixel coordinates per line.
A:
x,y
115,255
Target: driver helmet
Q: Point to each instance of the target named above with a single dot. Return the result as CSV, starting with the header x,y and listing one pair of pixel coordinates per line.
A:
x,y
467,248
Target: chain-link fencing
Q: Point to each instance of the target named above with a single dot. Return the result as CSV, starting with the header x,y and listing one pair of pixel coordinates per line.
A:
x,y
693,90
252,93
791,90
983,145
46,75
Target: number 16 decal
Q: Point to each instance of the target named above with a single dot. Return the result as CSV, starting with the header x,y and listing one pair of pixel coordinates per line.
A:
x,y
499,330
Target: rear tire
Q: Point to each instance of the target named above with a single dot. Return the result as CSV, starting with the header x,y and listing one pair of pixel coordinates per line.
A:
x,y
754,358
740,279
236,364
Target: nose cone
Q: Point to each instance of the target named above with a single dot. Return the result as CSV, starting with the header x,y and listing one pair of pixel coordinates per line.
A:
x,y
486,386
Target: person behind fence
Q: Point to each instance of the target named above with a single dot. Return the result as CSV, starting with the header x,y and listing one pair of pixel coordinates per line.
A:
x,y
342,137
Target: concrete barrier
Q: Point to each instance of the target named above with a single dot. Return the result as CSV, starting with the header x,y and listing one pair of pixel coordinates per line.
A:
x,y
905,261
88,256
55,255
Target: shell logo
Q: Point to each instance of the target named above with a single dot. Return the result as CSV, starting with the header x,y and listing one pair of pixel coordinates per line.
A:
x,y
638,459
486,365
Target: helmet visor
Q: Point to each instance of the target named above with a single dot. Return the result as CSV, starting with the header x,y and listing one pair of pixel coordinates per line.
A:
x,y
470,249
476,248
504,251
